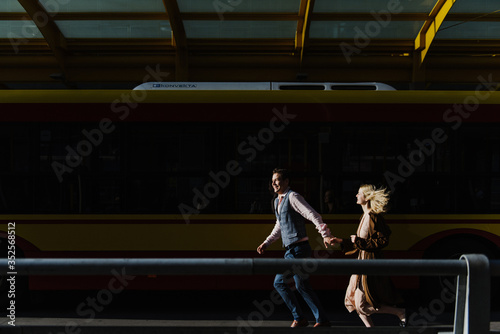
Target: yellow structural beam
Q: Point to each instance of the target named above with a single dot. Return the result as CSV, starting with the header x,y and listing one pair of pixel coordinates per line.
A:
x,y
303,23
431,26
49,29
179,40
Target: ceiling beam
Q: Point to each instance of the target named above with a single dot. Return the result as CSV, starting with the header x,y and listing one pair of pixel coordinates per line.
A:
x,y
235,46
300,25
234,16
130,68
50,31
179,40
14,16
165,16
262,45
303,24
459,17
429,29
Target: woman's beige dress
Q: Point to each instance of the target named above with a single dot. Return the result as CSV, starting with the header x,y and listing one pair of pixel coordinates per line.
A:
x,y
366,294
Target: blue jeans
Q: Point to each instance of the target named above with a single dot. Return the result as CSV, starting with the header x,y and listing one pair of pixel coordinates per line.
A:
x,y
302,284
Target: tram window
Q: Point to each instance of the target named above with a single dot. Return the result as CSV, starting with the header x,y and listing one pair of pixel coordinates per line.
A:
x,y
364,149
5,151
109,195
154,167
353,87
16,195
148,148
257,156
495,195
22,152
193,151
302,87
254,195
109,157
64,198
475,149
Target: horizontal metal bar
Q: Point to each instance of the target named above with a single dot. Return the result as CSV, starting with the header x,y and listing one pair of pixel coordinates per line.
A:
x,y
370,267
151,266
238,266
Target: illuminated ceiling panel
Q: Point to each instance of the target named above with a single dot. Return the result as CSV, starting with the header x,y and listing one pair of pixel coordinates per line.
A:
x,y
115,29
469,30
477,6
19,29
10,6
240,29
239,6
366,6
106,6
360,29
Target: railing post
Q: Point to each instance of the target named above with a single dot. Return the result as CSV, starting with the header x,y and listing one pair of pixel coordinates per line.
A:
x,y
472,307
460,304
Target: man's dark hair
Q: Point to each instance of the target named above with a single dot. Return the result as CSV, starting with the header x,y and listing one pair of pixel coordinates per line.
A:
x,y
285,174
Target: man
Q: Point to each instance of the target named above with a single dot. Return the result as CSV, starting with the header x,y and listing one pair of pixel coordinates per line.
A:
x,y
291,212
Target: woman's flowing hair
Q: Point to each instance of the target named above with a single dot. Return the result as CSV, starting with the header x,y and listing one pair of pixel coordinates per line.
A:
x,y
378,198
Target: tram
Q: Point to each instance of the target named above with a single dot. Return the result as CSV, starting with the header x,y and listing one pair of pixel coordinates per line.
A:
x,y
183,172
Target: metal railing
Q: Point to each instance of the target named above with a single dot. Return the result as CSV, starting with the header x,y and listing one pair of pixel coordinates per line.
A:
x,y
472,304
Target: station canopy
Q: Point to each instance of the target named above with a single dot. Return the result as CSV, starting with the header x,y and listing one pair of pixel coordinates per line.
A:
x,y
411,44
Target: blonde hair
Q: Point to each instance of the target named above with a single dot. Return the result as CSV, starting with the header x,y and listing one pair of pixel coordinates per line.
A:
x,y
378,199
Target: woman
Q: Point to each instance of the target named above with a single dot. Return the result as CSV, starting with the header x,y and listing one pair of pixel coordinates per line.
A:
x,y
373,294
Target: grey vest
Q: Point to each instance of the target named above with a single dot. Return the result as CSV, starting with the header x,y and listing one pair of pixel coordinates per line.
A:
x,y
292,224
